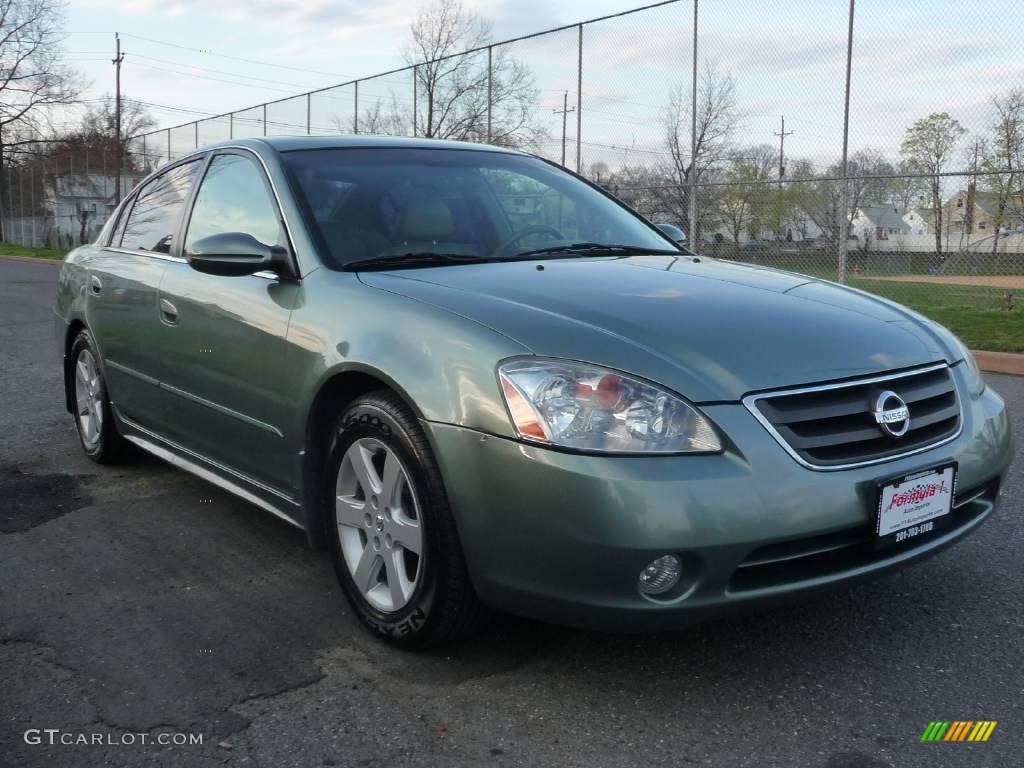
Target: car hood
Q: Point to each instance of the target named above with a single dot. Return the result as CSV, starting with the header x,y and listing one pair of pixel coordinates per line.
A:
x,y
711,330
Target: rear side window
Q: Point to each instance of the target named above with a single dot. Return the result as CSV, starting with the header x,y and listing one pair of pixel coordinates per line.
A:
x,y
233,197
122,219
154,218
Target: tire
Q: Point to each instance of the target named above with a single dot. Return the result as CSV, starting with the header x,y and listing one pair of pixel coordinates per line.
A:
x,y
94,417
413,600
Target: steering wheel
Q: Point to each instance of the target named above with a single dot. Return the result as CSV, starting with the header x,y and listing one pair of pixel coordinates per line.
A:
x,y
537,229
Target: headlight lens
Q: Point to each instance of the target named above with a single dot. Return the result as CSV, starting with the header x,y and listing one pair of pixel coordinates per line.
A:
x,y
975,380
588,408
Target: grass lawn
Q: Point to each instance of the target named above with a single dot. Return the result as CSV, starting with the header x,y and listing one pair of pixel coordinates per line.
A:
x,y
9,249
974,313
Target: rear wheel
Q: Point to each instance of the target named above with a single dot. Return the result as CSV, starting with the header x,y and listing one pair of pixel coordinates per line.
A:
x,y
93,414
393,540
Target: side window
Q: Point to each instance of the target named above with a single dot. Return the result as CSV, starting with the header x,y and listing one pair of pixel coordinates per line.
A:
x,y
154,217
122,220
233,198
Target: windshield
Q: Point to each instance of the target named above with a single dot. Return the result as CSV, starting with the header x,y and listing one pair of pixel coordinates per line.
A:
x,y
393,203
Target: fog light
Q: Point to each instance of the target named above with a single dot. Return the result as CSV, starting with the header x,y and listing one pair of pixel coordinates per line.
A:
x,y
661,575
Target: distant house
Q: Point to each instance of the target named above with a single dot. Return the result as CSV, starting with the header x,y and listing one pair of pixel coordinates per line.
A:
x,y
960,217
77,205
875,223
918,221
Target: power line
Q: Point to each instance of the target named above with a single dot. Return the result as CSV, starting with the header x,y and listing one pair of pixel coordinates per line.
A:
x,y
233,58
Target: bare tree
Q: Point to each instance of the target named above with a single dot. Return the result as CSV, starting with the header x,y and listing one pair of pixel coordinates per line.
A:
x,y
908,188
1004,152
717,118
376,120
927,146
101,120
457,89
599,172
32,75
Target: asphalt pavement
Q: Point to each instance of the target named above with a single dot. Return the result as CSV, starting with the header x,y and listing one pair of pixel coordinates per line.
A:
x,y
137,602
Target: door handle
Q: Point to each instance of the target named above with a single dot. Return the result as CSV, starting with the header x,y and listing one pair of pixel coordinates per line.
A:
x,y
168,312
95,285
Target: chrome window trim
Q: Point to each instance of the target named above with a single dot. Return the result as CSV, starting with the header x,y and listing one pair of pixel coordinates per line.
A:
x,y
178,260
750,401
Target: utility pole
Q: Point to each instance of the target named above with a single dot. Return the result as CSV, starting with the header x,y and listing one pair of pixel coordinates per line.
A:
x,y
782,134
119,57
564,112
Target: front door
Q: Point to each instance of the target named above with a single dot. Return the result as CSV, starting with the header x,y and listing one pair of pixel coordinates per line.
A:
x,y
223,391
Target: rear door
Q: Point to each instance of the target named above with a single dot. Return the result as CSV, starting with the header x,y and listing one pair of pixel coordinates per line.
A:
x,y
121,303
224,389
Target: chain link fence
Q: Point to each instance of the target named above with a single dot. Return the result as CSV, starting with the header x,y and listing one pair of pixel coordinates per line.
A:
x,y
879,145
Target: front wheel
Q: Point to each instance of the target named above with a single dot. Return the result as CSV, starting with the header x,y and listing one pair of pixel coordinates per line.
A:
x,y
393,540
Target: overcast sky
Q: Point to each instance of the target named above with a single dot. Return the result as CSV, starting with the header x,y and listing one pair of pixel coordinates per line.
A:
x,y
911,57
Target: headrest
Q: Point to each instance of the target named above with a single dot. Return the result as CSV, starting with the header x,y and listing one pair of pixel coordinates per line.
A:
x,y
425,220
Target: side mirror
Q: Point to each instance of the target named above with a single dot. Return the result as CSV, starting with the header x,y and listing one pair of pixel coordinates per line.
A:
x,y
234,254
674,232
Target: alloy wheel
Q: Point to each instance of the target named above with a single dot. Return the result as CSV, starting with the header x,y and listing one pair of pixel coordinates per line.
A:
x,y
89,398
378,520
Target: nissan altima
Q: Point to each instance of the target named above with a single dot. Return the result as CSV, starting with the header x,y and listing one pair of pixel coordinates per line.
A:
x,y
482,382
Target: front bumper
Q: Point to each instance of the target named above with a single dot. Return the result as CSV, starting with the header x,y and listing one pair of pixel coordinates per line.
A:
x,y
563,537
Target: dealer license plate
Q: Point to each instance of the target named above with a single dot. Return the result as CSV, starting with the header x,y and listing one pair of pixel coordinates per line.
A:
x,y
914,505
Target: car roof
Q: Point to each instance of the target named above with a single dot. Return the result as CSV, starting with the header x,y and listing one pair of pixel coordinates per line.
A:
x,y
296,143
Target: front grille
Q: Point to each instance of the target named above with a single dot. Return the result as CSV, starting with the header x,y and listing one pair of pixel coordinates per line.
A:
x,y
831,554
832,426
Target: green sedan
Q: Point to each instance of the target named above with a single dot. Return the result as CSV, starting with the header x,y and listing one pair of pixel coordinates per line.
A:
x,y
482,382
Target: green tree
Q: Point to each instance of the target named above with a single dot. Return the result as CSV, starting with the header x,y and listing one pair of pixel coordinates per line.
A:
x,y
1004,153
927,147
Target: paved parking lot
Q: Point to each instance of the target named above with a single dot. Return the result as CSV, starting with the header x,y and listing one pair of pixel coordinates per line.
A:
x,y
130,606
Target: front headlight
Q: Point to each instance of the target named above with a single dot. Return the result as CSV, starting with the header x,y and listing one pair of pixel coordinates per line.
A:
x,y
975,380
587,408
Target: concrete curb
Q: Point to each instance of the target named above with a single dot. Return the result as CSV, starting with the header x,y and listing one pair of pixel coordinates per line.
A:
x,y
1000,362
31,258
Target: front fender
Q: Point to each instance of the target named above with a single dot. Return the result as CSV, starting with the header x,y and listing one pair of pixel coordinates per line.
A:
x,y
441,363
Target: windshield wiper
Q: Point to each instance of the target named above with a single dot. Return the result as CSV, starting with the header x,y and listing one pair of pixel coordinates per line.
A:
x,y
596,249
424,259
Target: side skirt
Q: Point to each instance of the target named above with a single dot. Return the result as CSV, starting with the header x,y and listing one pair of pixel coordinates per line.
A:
x,y
210,471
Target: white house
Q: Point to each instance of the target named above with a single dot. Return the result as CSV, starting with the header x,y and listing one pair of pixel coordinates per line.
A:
x,y
76,206
918,221
878,223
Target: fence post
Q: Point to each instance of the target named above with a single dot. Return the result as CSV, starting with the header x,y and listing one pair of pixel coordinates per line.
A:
x,y
32,200
355,114
693,140
264,118
490,90
415,108
21,205
196,124
231,125
168,145
844,192
309,109
579,100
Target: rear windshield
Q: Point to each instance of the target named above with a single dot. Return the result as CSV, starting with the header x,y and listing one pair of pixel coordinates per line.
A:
x,y
383,203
